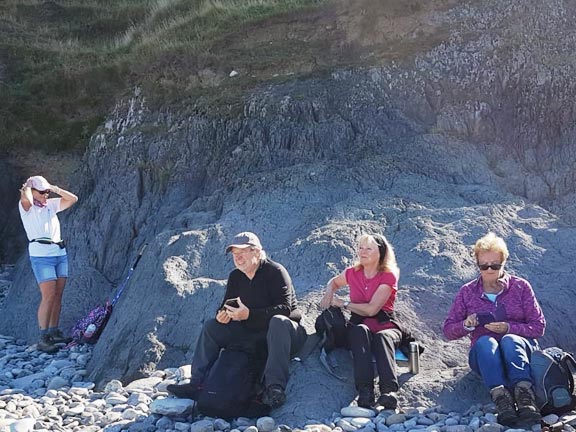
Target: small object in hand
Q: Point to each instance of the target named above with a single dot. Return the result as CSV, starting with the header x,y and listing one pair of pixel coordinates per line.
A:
x,y
485,318
232,302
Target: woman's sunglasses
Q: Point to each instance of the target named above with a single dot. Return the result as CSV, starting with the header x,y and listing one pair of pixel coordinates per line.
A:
x,y
489,266
44,192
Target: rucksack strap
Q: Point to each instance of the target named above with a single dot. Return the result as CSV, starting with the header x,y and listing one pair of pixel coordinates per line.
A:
x,y
568,362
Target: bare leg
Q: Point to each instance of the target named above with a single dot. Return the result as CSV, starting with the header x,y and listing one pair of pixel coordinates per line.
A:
x,y
57,303
48,291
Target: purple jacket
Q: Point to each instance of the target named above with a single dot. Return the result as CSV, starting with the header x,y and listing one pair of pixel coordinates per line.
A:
x,y
516,305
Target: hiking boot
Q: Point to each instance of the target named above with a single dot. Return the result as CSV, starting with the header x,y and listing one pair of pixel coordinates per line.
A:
x,y
504,405
184,391
526,402
46,345
274,396
366,395
388,401
58,337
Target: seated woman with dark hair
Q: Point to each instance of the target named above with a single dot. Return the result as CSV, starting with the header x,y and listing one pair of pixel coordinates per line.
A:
x,y
373,285
501,316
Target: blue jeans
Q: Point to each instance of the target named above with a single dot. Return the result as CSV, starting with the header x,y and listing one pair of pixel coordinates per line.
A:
x,y
505,362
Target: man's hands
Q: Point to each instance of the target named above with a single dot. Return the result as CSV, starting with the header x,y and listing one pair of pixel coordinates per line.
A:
x,y
230,313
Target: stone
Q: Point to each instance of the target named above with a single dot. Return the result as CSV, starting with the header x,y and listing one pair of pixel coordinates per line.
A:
x,y
423,420
360,422
144,384
114,398
172,407
395,419
27,381
113,386
221,425
550,418
265,424
181,426
57,382
346,426
355,411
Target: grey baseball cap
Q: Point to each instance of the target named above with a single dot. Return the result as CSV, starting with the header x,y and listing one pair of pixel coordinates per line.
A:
x,y
244,240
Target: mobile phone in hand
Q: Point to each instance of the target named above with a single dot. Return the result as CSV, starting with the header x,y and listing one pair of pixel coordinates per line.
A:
x,y
485,318
232,302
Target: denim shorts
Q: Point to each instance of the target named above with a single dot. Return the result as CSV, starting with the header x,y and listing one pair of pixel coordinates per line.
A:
x,y
49,268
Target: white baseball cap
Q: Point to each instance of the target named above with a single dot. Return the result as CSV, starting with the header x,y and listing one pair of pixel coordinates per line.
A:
x,y
39,183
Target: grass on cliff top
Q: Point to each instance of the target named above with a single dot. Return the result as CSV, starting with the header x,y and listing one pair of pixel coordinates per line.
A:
x,y
64,63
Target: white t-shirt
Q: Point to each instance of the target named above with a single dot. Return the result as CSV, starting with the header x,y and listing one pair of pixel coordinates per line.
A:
x,y
42,223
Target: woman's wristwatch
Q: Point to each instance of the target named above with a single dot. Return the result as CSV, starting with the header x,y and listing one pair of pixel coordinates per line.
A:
x,y
345,304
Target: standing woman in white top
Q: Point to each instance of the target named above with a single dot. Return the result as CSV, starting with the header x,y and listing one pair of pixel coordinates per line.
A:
x,y
47,253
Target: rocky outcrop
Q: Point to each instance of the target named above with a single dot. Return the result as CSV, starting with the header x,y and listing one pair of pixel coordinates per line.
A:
x,y
475,135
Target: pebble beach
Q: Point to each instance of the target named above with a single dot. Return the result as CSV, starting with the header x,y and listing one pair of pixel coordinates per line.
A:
x,y
50,392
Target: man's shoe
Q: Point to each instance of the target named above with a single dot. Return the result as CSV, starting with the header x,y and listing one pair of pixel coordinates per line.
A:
x,y
526,402
388,401
46,345
504,405
184,391
366,395
58,337
274,396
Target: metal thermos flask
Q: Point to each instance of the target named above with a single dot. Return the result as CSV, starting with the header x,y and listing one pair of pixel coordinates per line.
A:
x,y
414,358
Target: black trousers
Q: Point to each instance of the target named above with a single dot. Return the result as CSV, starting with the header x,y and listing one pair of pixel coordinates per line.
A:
x,y
382,345
283,339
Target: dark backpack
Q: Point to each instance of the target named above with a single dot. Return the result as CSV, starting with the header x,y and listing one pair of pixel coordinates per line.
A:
x,y
552,371
332,326
231,388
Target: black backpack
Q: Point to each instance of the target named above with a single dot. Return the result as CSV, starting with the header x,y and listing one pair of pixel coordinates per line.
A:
x,y
552,371
332,326
231,388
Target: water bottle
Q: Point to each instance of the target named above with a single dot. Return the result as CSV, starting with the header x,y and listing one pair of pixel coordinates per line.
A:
x,y
89,331
414,358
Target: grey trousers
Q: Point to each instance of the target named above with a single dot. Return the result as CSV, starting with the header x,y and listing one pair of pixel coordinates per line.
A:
x,y
284,339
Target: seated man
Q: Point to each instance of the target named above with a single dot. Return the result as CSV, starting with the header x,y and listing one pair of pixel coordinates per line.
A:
x,y
266,312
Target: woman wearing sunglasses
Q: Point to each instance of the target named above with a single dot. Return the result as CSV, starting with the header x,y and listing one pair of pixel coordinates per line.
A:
x,y
503,319
47,253
373,284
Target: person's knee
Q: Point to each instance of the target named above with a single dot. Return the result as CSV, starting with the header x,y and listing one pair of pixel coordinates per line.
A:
x,y
211,326
510,340
279,325
386,339
359,330
486,343
511,343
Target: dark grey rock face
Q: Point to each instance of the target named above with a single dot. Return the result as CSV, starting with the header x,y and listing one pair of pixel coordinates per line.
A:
x,y
11,231
475,135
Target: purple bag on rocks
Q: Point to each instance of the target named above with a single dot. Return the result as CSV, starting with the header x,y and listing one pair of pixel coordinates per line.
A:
x,y
89,328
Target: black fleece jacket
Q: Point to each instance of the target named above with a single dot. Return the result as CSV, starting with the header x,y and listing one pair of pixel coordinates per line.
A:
x,y
268,293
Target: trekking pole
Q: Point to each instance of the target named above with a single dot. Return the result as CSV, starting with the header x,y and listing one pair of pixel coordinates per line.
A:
x,y
125,282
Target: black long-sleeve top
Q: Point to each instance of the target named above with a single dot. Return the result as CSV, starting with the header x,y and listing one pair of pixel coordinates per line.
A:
x,y
270,292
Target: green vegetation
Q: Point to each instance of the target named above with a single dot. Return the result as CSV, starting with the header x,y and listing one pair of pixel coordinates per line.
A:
x,y
64,63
